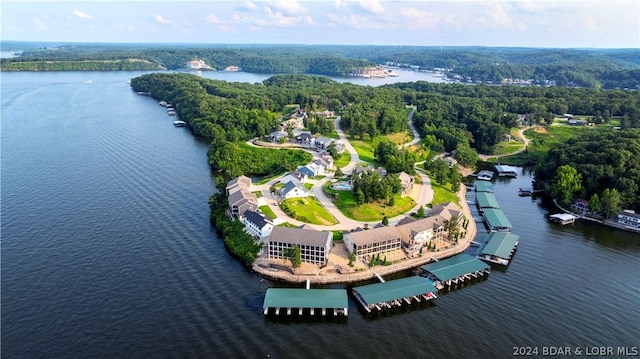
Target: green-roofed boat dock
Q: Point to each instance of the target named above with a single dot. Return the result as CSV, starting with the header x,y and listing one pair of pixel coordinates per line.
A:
x,y
486,200
483,186
455,270
306,301
499,248
496,220
394,293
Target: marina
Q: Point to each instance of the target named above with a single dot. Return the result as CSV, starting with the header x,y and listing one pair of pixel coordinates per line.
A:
x,y
292,301
506,171
455,270
483,186
486,200
485,175
496,220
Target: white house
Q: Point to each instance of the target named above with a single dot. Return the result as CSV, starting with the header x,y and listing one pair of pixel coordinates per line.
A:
x,y
629,218
323,142
292,190
406,181
276,136
257,224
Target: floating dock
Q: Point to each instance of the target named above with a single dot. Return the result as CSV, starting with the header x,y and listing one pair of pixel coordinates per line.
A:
x,y
496,220
563,218
508,171
525,191
455,270
485,175
394,293
291,301
483,186
499,248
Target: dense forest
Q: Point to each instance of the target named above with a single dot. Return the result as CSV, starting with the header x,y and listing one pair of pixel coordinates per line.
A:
x,y
449,117
591,68
597,163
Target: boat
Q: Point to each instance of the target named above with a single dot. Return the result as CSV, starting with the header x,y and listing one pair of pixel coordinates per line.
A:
x,y
525,191
485,175
179,123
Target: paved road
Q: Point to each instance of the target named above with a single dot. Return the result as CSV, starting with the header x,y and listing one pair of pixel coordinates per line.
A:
x,y
416,135
355,159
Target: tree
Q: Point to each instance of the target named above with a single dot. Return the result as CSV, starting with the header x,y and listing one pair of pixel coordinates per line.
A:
x,y
352,259
594,203
565,184
385,221
455,178
293,254
452,226
420,213
611,201
339,172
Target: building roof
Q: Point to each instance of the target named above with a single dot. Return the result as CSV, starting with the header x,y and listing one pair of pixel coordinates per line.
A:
x,y
306,170
629,213
305,136
395,289
455,267
445,210
289,187
405,179
238,196
487,200
300,236
506,169
243,182
420,225
257,218
323,140
483,186
496,218
375,235
305,298
500,244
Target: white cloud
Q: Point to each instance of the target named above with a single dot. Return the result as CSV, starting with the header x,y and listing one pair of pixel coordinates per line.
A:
x,y
341,5
360,22
419,18
39,25
279,19
289,7
371,6
213,19
161,20
247,6
81,14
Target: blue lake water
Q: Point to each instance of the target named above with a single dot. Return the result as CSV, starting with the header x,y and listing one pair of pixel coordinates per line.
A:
x,y
107,252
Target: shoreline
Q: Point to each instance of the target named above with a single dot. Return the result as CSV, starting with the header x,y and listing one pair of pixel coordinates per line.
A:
x,y
282,272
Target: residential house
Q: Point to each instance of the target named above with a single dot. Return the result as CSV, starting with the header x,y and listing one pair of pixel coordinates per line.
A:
x,y
630,219
372,241
323,142
314,245
305,138
580,205
292,190
257,224
305,171
242,182
406,181
327,161
325,114
277,136
241,201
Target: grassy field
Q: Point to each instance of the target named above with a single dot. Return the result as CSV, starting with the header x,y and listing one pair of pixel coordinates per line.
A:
x,y
308,210
268,212
364,150
370,212
507,147
308,186
258,194
443,194
343,161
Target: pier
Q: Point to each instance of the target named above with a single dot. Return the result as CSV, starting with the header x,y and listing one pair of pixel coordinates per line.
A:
x,y
563,218
291,301
483,186
455,270
496,220
394,293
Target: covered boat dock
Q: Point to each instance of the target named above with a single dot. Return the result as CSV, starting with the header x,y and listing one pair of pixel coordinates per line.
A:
x,y
483,186
563,218
509,171
498,248
455,270
496,220
394,293
486,200
300,301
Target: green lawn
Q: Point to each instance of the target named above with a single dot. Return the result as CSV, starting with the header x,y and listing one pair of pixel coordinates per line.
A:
x,y
443,194
268,178
268,212
308,210
332,134
287,224
308,186
369,212
507,147
364,150
344,160
258,194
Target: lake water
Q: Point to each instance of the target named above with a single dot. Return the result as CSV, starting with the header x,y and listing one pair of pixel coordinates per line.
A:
x,y
107,252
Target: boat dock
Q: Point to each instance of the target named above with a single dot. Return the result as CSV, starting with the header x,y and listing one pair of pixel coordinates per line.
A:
x,y
525,191
483,186
563,218
486,200
499,248
455,270
291,301
496,220
179,123
507,171
394,293
485,175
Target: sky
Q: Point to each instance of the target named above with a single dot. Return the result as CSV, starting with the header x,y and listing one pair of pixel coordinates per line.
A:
x,y
496,23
